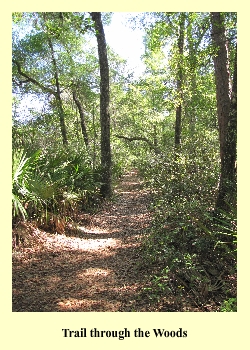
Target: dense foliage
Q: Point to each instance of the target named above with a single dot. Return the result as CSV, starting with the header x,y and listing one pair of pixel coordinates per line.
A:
x,y
56,168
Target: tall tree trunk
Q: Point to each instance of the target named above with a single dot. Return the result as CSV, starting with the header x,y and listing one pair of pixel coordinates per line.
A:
x,y
222,76
228,188
59,103
179,80
192,48
106,189
82,118
95,137
227,114
193,42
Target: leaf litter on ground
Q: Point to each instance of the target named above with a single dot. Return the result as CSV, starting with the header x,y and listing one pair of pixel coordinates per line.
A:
x,y
94,270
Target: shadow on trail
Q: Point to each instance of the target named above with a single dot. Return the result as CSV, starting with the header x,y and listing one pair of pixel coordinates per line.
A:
x,y
96,267
76,281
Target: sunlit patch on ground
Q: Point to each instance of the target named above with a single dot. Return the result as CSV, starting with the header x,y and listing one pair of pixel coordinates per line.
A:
x,y
92,271
73,304
88,244
93,230
53,280
93,267
76,243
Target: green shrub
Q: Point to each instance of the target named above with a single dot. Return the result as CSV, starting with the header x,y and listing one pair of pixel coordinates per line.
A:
x,y
229,305
51,182
23,167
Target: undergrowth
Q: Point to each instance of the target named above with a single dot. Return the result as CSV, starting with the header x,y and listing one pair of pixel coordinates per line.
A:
x,y
191,250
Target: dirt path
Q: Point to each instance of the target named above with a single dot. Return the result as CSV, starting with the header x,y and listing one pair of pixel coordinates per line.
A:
x,y
96,270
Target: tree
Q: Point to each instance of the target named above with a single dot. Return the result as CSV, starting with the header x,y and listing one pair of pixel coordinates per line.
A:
x,y
226,110
106,189
47,57
82,118
176,31
197,26
36,69
222,75
179,82
58,93
227,186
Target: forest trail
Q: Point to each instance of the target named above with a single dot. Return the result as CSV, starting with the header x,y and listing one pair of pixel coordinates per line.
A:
x,y
99,269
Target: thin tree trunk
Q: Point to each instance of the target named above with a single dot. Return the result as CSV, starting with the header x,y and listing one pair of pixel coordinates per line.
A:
x,y
193,43
155,137
193,65
58,96
82,118
179,81
106,190
95,137
222,76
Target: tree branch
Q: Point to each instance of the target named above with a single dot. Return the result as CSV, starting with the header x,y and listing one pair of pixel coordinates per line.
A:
x,y
140,138
32,80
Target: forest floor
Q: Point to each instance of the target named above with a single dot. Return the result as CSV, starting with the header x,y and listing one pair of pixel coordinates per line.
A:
x,y
98,264
94,267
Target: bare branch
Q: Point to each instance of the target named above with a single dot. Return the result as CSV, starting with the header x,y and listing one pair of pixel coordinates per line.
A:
x,y
140,138
32,80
